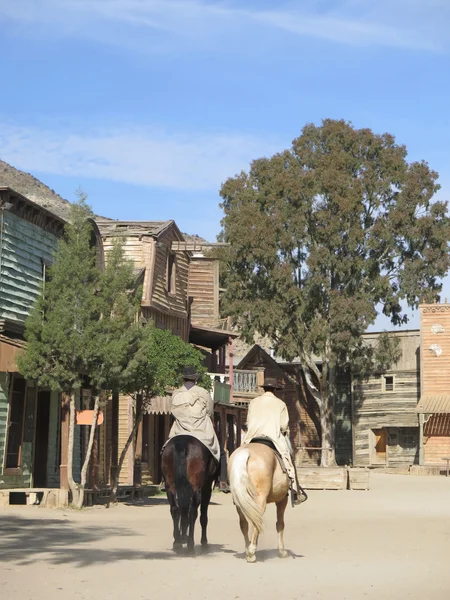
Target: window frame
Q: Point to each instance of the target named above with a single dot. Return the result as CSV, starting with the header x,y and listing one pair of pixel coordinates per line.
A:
x,y
171,273
383,383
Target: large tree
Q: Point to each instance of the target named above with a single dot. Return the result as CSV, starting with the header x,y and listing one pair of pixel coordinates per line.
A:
x,y
322,237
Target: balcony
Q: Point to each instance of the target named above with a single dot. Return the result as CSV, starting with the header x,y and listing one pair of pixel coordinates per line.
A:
x,y
245,384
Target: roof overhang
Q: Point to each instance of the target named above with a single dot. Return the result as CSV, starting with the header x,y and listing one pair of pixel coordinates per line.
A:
x,y
160,405
434,405
208,337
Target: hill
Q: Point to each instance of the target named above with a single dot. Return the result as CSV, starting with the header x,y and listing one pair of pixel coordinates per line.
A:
x,y
35,190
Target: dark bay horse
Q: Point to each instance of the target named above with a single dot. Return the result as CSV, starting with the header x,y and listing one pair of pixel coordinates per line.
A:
x,y
189,471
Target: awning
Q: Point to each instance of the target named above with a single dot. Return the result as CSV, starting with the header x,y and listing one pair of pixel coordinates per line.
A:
x,y
160,405
209,337
434,405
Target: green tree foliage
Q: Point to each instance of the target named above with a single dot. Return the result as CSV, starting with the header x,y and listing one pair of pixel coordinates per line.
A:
x,y
155,370
55,330
322,236
83,329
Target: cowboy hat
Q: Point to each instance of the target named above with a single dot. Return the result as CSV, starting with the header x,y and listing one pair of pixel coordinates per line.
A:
x,y
273,382
190,373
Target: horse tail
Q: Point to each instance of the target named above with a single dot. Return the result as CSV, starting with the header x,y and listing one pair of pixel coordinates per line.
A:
x,y
183,487
243,491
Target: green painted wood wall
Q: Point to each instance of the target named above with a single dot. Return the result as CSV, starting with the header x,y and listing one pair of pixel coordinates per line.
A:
x,y
24,246
4,386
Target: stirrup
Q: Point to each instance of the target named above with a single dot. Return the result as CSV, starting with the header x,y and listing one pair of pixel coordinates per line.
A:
x,y
224,487
298,498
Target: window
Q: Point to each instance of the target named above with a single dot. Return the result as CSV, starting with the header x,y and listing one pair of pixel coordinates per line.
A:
x,y
171,273
45,271
15,424
388,383
409,437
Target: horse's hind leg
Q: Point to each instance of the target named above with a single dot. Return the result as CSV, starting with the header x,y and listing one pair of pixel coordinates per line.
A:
x,y
206,497
243,523
175,512
193,513
251,549
281,507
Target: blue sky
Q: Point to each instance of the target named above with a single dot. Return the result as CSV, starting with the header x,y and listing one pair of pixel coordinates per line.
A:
x,y
149,105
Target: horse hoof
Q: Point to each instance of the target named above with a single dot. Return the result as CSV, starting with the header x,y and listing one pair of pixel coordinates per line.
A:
x,y
251,559
177,547
283,553
190,551
205,548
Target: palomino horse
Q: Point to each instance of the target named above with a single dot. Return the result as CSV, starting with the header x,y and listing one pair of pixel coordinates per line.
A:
x,y
257,479
189,471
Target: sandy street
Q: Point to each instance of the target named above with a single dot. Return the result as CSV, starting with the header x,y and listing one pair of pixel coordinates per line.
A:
x,y
390,542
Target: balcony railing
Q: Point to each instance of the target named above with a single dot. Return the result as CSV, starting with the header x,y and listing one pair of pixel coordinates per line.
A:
x,y
245,381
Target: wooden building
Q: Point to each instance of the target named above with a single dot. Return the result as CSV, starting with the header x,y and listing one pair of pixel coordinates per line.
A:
x,y
434,406
29,417
33,421
180,292
248,380
385,422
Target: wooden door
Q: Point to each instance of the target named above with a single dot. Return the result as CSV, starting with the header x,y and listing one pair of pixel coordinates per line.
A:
x,y
41,440
380,445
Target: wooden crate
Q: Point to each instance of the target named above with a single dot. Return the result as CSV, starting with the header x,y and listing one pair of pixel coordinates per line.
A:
x,y
358,479
322,478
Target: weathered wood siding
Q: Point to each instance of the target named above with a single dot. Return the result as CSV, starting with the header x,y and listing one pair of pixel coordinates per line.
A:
x,y
175,302
394,411
125,425
374,408
435,350
24,247
4,390
204,289
139,250
177,325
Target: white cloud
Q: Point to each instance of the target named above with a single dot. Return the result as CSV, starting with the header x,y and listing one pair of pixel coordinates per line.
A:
x,y
172,25
146,157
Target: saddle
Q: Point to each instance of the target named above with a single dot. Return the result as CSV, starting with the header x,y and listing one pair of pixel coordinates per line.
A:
x,y
268,442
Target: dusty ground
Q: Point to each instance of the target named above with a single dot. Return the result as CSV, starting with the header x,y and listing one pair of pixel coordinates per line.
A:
x,y
390,542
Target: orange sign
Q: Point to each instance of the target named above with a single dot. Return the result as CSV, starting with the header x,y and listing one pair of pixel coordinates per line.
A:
x,y
84,417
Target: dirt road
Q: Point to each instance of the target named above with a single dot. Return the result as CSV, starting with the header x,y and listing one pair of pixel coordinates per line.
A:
x,y
392,542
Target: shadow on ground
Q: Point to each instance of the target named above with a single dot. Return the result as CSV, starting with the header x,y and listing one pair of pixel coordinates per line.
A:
x,y
24,541
156,501
264,555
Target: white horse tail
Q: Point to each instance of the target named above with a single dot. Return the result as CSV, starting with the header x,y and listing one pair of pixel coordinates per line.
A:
x,y
242,490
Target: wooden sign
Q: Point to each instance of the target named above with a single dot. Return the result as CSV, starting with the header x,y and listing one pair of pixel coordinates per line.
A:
x,y
84,417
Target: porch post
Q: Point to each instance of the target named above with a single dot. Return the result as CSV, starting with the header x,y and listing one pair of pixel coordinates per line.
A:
x,y
421,448
63,480
230,366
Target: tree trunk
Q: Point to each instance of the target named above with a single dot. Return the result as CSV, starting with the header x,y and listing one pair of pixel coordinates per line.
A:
x,y
87,458
131,437
73,487
325,401
327,417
